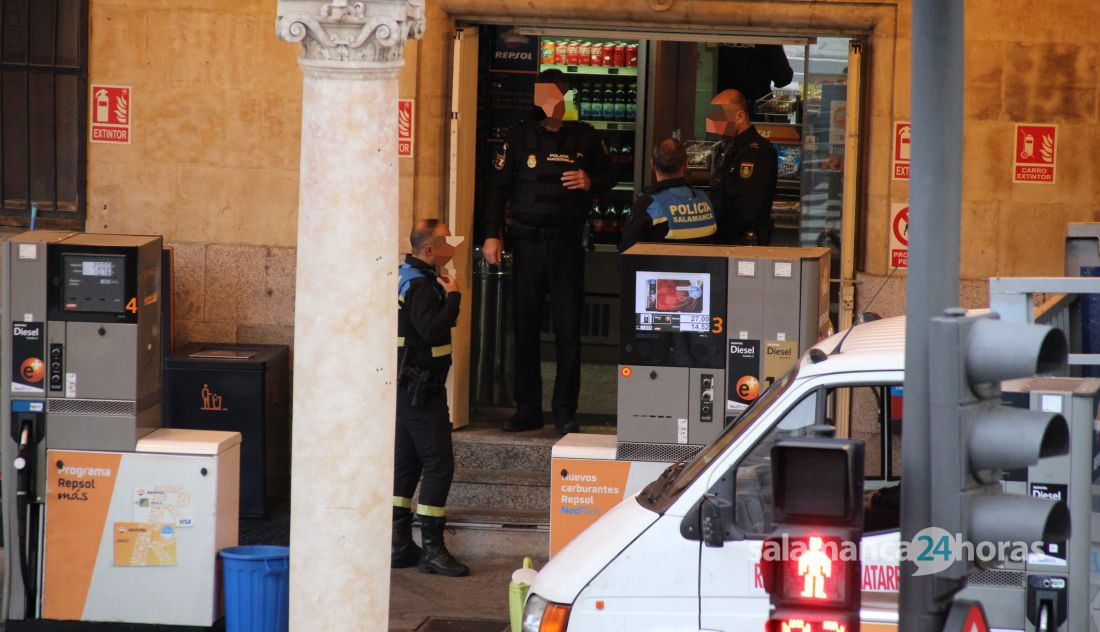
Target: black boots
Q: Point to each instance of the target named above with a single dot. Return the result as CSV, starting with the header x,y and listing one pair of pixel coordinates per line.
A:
x,y
565,423
525,418
434,557
403,551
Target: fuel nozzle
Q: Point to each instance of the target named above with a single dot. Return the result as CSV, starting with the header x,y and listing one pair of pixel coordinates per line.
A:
x,y
22,457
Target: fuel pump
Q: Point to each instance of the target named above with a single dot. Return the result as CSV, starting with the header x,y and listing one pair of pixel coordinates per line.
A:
x,y
705,330
1051,588
80,364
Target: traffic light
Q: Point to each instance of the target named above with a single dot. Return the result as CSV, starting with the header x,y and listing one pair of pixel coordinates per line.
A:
x,y
974,438
810,562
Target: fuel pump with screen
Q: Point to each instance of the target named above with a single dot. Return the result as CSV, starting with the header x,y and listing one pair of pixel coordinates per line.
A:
x,y
704,330
80,370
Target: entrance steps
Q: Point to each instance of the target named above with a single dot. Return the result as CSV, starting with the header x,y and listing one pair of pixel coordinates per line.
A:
x,y
499,505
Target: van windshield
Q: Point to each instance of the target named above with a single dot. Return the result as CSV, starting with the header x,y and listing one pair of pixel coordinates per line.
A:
x,y
658,495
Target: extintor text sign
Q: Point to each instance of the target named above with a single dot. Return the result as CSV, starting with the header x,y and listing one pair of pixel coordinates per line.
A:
x,y
1035,152
902,134
110,111
405,113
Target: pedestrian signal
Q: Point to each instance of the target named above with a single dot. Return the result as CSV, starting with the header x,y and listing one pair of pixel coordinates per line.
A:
x,y
810,562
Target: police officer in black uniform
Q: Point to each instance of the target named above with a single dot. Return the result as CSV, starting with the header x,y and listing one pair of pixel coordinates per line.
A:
x,y
670,210
549,169
744,177
427,310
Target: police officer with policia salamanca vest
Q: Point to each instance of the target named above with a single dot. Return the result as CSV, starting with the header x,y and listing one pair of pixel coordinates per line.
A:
x,y
549,169
670,210
427,309
744,178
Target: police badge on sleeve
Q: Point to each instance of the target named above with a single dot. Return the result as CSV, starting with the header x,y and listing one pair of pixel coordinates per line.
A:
x,y
499,158
746,170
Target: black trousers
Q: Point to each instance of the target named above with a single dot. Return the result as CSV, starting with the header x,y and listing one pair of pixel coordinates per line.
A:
x,y
548,262
422,447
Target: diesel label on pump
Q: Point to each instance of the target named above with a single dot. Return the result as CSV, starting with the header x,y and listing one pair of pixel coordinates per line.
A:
x,y
28,370
1055,552
779,357
743,371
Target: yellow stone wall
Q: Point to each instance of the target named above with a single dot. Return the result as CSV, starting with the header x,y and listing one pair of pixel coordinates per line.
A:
x,y
216,120
216,110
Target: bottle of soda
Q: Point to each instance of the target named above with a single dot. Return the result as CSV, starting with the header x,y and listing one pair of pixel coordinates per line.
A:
x,y
608,102
585,105
620,103
626,156
631,104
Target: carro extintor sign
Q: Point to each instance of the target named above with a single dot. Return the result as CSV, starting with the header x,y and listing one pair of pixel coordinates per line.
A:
x,y
1035,154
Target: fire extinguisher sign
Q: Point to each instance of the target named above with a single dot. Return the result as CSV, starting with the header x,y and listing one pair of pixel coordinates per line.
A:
x,y
1036,149
110,113
405,126
902,133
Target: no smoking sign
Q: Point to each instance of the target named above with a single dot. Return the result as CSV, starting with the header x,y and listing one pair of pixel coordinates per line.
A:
x,y
899,235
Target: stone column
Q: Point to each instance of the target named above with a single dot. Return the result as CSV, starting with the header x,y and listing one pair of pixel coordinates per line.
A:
x,y
345,322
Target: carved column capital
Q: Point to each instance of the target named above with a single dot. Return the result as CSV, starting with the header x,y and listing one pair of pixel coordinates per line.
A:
x,y
350,38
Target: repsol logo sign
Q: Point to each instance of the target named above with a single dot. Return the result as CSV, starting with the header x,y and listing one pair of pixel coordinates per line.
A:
x,y
80,472
517,55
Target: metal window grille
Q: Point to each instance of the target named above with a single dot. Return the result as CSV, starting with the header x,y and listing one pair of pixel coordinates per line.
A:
x,y
43,110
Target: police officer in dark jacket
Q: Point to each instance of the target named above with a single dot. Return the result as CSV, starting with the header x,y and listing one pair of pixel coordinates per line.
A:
x,y
670,210
744,178
752,69
427,310
549,169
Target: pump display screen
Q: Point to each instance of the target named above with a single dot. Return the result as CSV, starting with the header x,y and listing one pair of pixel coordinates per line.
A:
x,y
672,302
93,283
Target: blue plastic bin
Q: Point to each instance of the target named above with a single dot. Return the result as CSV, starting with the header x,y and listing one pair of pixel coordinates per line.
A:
x,y
257,588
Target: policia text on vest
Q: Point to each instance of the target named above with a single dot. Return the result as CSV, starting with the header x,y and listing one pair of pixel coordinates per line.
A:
x,y
670,211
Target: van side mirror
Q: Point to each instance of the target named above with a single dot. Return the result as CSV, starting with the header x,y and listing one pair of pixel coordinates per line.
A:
x,y
710,521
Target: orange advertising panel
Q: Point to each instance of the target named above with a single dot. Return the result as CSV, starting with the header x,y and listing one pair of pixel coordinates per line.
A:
x,y
79,486
583,490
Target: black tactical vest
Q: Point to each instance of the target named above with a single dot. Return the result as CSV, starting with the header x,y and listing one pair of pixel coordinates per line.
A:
x,y
539,198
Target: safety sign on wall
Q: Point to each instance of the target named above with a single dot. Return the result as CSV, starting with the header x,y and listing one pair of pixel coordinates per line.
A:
x,y
405,128
111,111
1036,150
902,133
899,235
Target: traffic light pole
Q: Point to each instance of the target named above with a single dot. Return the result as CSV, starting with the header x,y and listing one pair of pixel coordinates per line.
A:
x,y
935,193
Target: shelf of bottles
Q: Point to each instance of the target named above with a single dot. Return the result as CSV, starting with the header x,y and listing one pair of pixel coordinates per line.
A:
x,y
604,76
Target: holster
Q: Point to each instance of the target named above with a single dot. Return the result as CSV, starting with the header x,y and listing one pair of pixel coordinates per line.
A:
x,y
418,383
586,237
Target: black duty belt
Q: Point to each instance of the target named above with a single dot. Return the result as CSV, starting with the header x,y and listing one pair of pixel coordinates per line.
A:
x,y
519,229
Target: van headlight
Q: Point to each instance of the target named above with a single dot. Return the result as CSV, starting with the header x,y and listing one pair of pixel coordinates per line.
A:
x,y
540,615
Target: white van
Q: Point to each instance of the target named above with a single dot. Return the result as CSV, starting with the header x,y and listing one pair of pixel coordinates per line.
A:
x,y
643,566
